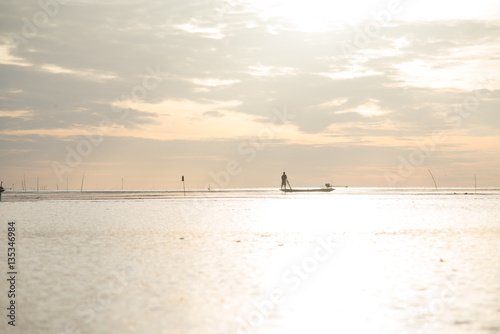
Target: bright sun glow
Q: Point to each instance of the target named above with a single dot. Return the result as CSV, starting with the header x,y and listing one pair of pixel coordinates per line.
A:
x,y
322,15
314,15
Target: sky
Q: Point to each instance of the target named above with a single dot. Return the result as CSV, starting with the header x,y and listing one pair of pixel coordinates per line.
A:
x,y
232,93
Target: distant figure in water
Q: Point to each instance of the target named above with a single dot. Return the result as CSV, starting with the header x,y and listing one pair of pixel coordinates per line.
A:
x,y
283,180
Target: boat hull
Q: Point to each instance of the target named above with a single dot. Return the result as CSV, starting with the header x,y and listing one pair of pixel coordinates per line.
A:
x,y
323,190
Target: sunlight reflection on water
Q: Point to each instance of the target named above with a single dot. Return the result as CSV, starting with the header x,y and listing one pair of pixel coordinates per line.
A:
x,y
350,262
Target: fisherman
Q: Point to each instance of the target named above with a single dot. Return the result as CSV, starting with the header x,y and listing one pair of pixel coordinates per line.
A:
x,y
283,180
1,190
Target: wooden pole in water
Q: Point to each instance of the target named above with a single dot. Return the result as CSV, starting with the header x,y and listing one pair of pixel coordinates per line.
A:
x,y
83,177
183,185
433,179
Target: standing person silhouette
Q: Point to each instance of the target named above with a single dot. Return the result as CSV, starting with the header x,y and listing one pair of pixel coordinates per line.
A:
x,y
283,180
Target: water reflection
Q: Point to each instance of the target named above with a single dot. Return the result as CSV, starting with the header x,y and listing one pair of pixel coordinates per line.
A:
x,y
348,263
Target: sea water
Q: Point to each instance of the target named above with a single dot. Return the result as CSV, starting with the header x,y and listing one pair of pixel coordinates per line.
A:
x,y
350,261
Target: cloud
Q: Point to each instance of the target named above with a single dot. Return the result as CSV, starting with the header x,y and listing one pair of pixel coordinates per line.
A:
x,y
138,64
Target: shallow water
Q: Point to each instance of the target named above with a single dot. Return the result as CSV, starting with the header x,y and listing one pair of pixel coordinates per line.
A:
x,y
350,261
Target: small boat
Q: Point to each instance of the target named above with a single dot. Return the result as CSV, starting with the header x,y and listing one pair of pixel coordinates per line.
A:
x,y
326,189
